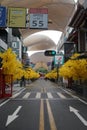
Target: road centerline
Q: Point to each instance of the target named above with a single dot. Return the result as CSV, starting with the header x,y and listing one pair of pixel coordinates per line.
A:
x,y
41,125
51,118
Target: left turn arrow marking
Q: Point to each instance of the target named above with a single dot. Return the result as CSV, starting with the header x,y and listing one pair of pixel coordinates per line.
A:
x,y
12,117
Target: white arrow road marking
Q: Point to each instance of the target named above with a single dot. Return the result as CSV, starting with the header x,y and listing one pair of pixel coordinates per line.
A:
x,y
75,111
12,117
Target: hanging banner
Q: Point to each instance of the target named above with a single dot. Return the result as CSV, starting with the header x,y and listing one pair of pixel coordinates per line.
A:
x,y
39,18
2,16
17,17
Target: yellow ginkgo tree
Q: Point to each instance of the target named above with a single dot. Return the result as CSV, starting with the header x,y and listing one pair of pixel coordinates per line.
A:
x,y
10,64
31,74
52,74
74,68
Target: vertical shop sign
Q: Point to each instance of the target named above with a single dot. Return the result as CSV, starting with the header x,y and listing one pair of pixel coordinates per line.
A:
x,y
15,48
2,16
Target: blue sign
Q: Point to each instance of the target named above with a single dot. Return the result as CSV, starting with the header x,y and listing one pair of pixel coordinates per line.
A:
x,y
2,16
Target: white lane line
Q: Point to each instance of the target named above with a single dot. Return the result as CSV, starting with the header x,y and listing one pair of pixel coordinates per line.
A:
x,y
17,94
11,97
81,100
69,93
4,102
38,95
26,95
14,96
49,95
61,95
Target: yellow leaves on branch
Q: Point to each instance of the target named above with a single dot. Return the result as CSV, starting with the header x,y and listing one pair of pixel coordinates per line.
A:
x,y
75,55
10,64
66,70
73,68
52,74
31,74
77,69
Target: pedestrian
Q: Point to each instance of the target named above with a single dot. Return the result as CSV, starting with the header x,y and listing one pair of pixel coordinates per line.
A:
x,y
23,81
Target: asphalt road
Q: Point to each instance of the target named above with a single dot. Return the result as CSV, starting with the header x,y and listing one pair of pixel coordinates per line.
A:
x,y
43,106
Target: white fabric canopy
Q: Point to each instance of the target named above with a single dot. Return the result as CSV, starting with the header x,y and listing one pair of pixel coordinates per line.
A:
x,y
59,14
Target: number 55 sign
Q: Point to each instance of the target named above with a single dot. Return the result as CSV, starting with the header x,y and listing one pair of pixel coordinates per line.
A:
x,y
39,18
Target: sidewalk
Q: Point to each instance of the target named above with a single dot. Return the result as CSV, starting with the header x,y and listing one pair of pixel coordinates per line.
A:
x,y
16,88
72,91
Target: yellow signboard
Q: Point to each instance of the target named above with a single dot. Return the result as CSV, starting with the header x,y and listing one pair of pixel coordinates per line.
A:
x,y
16,17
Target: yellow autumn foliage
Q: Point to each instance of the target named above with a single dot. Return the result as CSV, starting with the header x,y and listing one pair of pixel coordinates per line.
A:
x,y
75,55
52,74
75,69
31,74
10,64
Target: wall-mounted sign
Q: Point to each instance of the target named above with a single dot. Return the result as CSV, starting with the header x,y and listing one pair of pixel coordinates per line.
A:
x,y
38,18
15,45
15,48
59,59
16,17
2,16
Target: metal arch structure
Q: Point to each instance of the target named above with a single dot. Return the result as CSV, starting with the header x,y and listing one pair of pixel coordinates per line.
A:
x,y
39,42
59,14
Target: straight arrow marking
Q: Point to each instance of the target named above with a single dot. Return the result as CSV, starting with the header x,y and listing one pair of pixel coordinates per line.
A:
x,y
12,117
76,112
